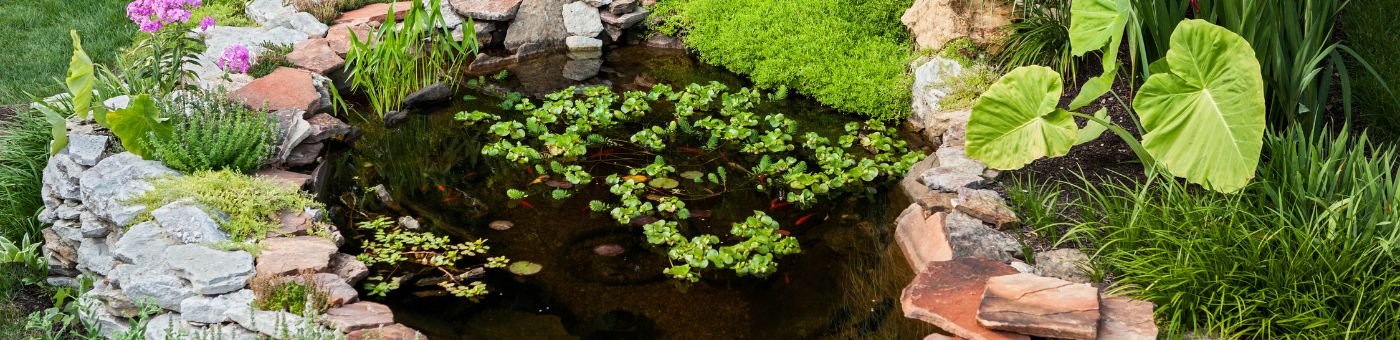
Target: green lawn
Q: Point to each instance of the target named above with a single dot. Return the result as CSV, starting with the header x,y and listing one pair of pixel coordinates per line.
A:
x,y
37,47
1373,32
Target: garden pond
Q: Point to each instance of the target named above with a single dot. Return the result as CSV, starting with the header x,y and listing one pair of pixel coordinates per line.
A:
x,y
601,279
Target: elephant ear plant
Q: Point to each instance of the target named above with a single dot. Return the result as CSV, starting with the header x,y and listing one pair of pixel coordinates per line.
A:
x,y
1201,112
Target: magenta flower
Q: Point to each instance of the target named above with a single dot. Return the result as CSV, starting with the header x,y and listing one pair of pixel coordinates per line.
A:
x,y
205,24
152,15
235,59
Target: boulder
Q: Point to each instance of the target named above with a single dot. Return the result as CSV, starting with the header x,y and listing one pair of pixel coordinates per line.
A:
x,y
187,222
169,326
325,127
985,205
210,271
378,12
143,244
624,21
934,23
87,149
304,155
316,55
349,268
1040,306
214,309
971,238
432,94
947,294
620,7
357,316
1125,318
150,284
306,23
1064,264
584,48
63,175
284,256
284,88
949,180
269,13
582,20
494,10
538,22
921,237
955,158
934,80
391,332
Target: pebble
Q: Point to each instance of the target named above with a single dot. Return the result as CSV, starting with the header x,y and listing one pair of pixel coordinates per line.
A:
x,y
502,225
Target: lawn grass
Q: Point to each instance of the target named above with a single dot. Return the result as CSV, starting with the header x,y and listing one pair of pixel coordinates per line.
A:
x,y
1372,31
36,44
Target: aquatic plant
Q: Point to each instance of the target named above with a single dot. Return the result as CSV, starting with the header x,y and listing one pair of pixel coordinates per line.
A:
x,y
577,135
394,62
392,247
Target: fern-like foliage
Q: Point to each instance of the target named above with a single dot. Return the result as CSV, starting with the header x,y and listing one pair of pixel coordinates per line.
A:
x,y
251,204
212,133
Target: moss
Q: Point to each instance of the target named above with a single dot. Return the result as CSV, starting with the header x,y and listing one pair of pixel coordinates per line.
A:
x,y
968,86
252,204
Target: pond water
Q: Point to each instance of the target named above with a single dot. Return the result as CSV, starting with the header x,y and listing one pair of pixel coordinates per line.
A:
x,y
844,284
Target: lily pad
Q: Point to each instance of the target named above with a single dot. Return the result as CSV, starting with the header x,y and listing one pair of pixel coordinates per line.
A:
x,y
692,175
525,268
665,183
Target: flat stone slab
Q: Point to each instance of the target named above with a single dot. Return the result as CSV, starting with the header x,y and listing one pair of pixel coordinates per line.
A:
x,y
390,332
211,271
358,316
922,237
494,10
283,256
1040,306
949,179
291,180
947,294
985,205
1125,318
375,13
284,88
316,55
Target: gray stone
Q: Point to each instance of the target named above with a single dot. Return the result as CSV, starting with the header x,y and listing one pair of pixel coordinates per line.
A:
x,y
168,326
933,80
584,48
143,244
304,155
219,38
95,230
483,32
232,331
114,299
581,69
295,129
145,283
117,103
270,13
450,19
210,271
87,149
94,256
620,7
598,3
971,238
1064,264
186,221
68,211
270,323
349,268
625,21
540,23
495,10
205,309
985,205
956,158
432,94
108,325
107,186
949,180
306,23
326,127
62,176
582,20
61,281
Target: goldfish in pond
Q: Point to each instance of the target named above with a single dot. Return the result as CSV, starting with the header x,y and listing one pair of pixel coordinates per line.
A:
x,y
440,187
778,203
784,232
538,180
526,204
804,218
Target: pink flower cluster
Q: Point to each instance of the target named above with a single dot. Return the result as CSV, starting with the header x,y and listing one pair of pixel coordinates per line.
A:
x,y
235,59
152,15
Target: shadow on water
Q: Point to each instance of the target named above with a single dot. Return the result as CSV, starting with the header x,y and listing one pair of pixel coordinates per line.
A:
x,y
844,284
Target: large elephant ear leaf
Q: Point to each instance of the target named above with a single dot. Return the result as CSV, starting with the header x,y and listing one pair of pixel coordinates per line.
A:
x,y
136,124
80,78
1016,121
1204,117
1095,23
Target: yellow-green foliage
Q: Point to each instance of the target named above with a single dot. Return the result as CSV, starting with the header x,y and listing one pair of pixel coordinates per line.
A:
x,y
969,85
225,12
849,54
252,204
278,294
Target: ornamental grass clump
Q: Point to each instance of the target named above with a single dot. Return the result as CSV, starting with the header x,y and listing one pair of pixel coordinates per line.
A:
x,y
212,133
405,56
251,204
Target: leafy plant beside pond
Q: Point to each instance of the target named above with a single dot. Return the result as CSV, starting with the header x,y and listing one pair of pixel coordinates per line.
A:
x,y
391,248
394,62
212,133
300,297
643,153
252,205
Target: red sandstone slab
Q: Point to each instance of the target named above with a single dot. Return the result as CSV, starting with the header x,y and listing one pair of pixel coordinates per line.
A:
x,y
375,13
1040,306
1125,318
947,294
284,88
922,237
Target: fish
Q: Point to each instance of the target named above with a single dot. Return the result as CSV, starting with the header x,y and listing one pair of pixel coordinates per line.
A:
x,y
526,204
440,187
778,203
804,218
784,232
538,180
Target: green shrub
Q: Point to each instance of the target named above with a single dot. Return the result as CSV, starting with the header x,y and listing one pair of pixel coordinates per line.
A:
x,y
294,296
212,133
252,204
1040,36
851,55
24,143
1306,251
225,12
968,86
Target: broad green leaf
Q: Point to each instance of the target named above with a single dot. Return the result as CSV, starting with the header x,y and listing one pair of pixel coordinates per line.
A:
x,y
80,78
1094,23
1016,121
664,183
525,268
58,127
1204,117
137,124
1092,129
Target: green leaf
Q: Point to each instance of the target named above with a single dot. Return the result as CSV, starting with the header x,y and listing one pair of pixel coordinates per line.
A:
x,y
58,128
664,183
80,78
1092,129
525,268
1016,121
137,123
1097,24
1204,117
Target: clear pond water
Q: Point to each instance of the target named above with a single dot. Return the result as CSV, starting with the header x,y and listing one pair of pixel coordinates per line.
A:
x,y
844,284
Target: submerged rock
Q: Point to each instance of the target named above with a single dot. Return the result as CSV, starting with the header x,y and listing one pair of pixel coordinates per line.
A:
x,y
584,48
501,225
609,250
582,69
